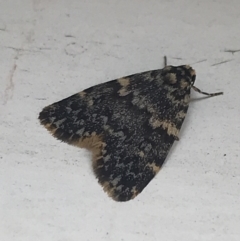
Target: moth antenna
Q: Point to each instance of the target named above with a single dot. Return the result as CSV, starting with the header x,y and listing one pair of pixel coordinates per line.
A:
x,y
165,61
208,94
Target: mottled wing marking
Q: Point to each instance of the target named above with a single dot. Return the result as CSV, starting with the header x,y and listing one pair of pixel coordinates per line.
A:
x,y
124,82
129,124
167,125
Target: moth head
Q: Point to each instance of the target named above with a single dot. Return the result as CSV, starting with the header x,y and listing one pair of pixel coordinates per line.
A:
x,y
180,77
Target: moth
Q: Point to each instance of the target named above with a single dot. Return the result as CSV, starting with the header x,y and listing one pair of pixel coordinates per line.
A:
x,y
129,124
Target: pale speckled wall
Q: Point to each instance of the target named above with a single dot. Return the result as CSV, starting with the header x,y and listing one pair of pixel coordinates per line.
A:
x,y
52,49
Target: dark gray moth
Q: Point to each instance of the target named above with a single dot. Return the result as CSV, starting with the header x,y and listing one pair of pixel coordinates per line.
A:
x,y
129,124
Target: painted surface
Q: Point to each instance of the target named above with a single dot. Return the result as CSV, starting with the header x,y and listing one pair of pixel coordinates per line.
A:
x,y
52,49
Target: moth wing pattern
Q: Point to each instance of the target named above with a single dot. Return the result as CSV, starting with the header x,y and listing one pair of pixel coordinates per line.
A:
x,y
129,124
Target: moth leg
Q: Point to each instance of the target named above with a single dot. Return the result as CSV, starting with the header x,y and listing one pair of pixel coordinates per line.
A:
x,y
165,61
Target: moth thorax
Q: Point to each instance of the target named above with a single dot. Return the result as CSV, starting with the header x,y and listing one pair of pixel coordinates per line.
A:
x,y
182,77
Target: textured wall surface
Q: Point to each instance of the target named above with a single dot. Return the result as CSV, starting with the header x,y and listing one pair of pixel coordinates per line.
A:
x,y
53,49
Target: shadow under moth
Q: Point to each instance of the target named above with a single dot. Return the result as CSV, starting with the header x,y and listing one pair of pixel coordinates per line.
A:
x,y
129,124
